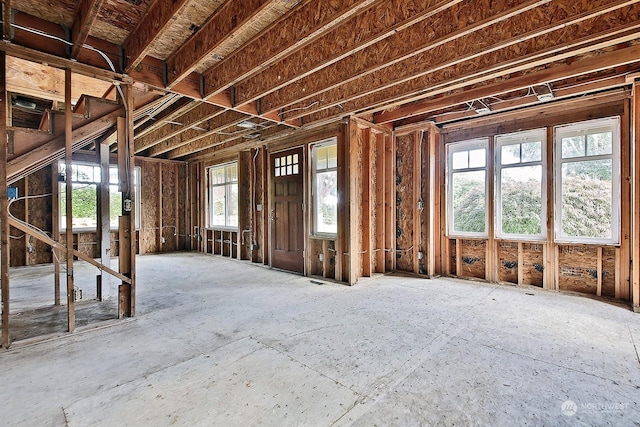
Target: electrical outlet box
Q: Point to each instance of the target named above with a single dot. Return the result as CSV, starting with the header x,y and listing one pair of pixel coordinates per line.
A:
x,y
259,208
12,193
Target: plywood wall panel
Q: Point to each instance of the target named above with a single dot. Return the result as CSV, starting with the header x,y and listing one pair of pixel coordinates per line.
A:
x,y
169,217
149,207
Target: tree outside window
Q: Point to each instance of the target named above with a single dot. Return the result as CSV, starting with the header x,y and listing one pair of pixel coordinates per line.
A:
x,y
325,187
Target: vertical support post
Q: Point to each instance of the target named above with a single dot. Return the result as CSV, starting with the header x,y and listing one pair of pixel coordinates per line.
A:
x,y
623,285
369,139
432,207
599,272
104,226
55,230
380,211
353,211
550,273
520,263
4,204
459,257
390,202
491,272
176,203
127,248
635,204
417,197
159,216
244,208
68,139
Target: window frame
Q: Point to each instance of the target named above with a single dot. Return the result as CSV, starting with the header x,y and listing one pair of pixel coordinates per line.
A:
x,y
314,173
227,194
559,131
62,189
467,145
511,139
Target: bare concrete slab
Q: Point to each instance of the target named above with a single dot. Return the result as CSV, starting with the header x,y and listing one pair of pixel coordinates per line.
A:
x,y
222,342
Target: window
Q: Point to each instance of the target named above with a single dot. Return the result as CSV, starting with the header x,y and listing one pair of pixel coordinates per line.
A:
x,y
588,181
85,178
467,188
223,195
520,190
286,165
325,187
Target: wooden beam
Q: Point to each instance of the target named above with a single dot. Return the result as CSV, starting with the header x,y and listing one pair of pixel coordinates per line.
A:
x,y
156,21
224,24
322,52
625,204
103,227
4,205
195,117
635,205
416,198
559,72
158,118
68,151
192,140
86,14
366,161
280,40
411,40
55,230
449,65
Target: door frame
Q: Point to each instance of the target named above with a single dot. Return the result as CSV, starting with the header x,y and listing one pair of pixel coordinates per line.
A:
x,y
305,203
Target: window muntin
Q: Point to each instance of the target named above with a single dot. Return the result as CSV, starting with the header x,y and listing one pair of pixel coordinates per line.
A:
x,y
223,195
467,188
287,165
588,182
520,185
324,192
85,178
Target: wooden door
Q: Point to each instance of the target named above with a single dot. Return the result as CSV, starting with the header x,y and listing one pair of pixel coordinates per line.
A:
x,y
287,219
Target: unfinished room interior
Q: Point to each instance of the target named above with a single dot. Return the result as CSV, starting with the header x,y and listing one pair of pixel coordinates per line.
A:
x,y
320,212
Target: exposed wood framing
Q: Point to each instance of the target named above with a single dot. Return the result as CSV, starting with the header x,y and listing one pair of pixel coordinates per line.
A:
x,y
635,226
232,15
55,230
103,226
543,44
86,14
623,284
321,52
301,25
157,19
550,272
68,151
4,206
6,19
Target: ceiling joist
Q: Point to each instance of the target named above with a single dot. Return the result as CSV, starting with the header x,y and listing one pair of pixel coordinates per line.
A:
x,y
86,15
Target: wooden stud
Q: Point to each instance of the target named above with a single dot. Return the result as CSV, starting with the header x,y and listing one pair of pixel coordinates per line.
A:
x,y
159,213
55,230
103,227
432,207
68,137
6,20
520,264
624,291
352,186
491,271
550,253
4,205
599,272
416,198
459,257
618,278
635,205
390,203
381,182
368,138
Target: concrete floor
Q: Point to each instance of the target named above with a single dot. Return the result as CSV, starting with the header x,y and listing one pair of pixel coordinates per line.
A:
x,y
222,342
